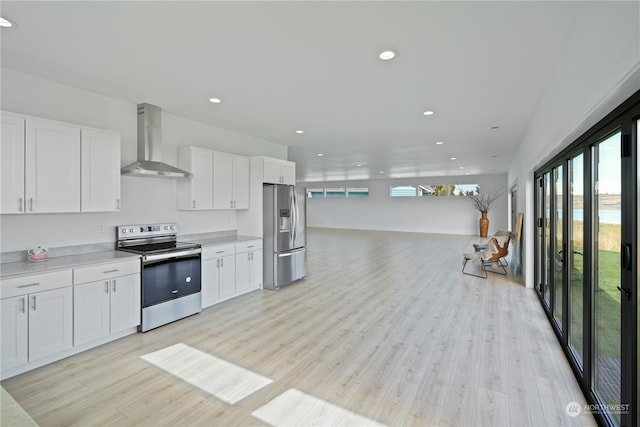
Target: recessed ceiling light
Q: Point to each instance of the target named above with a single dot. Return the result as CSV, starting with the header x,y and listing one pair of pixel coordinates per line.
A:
x,y
428,113
439,142
453,158
461,167
319,154
381,171
5,23
359,165
387,55
299,131
215,100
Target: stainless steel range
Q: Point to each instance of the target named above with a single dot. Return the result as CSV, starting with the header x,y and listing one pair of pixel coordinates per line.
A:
x,y
170,272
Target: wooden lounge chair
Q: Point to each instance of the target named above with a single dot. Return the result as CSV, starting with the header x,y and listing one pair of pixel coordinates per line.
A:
x,y
493,256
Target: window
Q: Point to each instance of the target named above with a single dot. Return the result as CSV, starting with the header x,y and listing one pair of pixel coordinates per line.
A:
x,y
313,193
464,189
335,192
403,191
357,192
432,190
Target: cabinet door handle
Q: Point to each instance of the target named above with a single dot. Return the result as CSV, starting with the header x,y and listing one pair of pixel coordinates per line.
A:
x,y
110,271
114,285
20,204
221,262
31,204
217,263
29,285
23,305
117,204
194,204
106,286
33,302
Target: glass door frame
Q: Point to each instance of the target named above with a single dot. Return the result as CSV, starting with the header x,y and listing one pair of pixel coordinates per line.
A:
x,y
624,118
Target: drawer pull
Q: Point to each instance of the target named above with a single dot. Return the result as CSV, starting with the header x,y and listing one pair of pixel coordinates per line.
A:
x,y
111,271
220,252
252,246
29,285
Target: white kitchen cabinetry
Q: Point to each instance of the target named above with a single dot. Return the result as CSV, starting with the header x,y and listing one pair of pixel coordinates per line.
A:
x,y
12,158
52,167
195,193
248,266
14,331
218,274
100,171
277,171
230,181
37,317
106,300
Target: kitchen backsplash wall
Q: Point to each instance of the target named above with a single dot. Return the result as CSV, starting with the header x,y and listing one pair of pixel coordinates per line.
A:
x,y
143,199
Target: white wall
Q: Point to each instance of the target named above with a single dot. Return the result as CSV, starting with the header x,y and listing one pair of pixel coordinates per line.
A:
x,y
143,199
595,74
447,215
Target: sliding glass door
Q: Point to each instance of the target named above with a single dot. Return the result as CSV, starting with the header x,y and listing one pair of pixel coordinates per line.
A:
x,y
587,260
607,238
575,258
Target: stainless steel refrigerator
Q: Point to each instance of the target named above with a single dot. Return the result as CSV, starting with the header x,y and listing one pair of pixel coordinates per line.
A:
x,y
284,235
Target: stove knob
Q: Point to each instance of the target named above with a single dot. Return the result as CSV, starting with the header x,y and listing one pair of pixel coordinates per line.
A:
x,y
124,230
131,230
166,227
173,227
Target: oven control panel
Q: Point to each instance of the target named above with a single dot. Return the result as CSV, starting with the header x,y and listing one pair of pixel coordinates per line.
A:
x,y
146,230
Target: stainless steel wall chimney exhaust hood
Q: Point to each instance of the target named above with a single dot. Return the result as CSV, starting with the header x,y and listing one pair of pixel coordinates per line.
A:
x,y
149,162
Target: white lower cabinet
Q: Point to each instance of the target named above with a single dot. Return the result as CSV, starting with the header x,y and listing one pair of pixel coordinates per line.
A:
x,y
15,331
218,274
230,270
50,322
108,305
248,266
37,324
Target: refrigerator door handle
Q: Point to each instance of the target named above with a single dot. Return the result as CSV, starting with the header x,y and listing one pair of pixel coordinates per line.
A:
x,y
295,217
292,253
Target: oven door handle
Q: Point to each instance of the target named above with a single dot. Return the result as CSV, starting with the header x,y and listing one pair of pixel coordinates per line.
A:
x,y
171,255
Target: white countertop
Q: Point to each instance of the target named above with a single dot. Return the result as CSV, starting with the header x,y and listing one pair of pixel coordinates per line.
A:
x,y
24,268
221,240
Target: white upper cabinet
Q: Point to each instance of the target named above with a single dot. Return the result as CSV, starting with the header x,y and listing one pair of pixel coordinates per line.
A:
x,y
230,181
277,171
222,181
12,158
195,193
219,181
240,182
100,171
52,165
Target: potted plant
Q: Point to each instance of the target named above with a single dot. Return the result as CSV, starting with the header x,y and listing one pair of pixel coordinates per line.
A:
x,y
483,201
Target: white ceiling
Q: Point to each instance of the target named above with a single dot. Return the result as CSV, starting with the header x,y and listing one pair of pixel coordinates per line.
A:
x,y
284,66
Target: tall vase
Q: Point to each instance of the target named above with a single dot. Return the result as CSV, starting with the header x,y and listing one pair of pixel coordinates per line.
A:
x,y
484,225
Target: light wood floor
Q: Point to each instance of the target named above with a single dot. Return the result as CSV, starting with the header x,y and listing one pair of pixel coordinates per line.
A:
x,y
385,327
